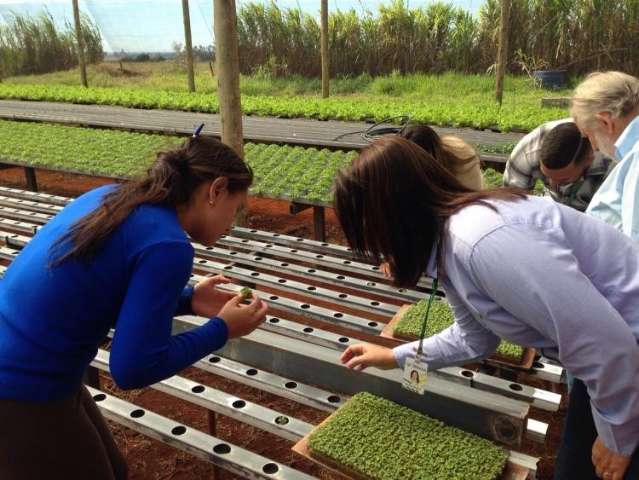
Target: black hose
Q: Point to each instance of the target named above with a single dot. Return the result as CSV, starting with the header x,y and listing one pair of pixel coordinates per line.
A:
x,y
375,131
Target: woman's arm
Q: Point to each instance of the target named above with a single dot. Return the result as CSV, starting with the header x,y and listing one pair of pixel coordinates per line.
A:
x,y
535,277
463,342
143,350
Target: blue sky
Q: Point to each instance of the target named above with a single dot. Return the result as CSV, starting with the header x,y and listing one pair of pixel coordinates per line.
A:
x,y
154,25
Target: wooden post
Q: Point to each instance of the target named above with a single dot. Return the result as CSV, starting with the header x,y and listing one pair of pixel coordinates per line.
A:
x,y
325,53
502,53
227,65
188,44
80,39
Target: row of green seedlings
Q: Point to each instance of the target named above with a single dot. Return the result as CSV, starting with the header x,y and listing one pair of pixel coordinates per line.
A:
x,y
381,440
440,317
280,171
521,113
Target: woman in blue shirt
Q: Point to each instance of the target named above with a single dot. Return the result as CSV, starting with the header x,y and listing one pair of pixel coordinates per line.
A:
x,y
118,256
512,266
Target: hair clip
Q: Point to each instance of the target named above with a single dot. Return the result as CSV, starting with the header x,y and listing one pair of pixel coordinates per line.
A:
x,y
198,130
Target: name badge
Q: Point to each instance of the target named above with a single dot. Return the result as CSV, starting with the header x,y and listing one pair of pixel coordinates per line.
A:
x,y
415,374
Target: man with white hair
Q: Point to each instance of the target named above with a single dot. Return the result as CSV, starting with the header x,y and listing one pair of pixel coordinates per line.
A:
x,y
605,107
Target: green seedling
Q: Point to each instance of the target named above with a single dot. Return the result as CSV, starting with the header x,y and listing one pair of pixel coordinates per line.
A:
x,y
441,317
246,293
381,440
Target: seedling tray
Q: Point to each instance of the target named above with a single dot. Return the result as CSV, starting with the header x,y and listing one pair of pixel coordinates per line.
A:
x,y
511,471
525,362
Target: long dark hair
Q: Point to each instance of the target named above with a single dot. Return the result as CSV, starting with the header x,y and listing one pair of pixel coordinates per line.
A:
x,y
394,201
171,180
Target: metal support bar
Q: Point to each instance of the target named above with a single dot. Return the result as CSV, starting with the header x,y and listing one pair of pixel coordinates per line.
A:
x,y
319,224
270,382
484,413
25,215
338,279
30,205
226,455
215,400
35,196
294,208
293,286
287,241
537,431
310,257
313,311
547,370
18,226
30,177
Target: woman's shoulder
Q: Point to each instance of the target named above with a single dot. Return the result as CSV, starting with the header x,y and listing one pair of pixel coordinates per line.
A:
x,y
155,224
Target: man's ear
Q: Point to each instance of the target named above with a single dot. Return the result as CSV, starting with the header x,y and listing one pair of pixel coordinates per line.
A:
x,y
218,186
606,123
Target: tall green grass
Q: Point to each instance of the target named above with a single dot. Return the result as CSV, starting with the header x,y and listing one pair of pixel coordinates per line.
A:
x,y
577,34
33,45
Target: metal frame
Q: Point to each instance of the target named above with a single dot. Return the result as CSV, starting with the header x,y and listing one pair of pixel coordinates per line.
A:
x,y
231,406
293,350
206,447
484,413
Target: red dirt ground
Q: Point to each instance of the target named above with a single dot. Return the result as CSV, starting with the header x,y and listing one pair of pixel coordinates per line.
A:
x,y
150,459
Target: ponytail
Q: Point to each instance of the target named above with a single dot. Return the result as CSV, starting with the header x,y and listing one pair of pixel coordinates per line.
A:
x,y
170,181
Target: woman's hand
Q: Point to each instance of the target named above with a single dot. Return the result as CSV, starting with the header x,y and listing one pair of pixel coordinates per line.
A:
x,y
608,464
359,357
207,299
243,319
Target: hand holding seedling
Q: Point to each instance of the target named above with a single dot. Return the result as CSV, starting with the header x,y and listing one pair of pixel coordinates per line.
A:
x,y
207,298
243,319
608,464
359,357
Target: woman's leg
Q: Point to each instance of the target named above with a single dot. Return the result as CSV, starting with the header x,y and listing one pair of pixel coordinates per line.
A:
x,y
118,462
575,454
574,459
51,440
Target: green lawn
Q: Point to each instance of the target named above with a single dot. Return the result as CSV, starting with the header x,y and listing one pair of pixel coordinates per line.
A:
x,y
450,99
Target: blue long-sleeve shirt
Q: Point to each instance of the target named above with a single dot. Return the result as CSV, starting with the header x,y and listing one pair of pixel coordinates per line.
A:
x,y
53,319
543,275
